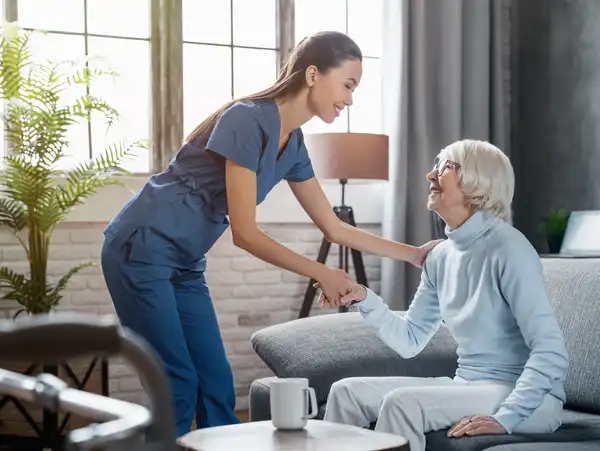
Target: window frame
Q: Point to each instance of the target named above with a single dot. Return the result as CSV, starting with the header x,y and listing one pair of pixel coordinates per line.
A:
x,y
11,13
166,66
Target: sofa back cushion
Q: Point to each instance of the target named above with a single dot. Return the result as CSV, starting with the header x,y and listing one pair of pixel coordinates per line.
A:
x,y
574,290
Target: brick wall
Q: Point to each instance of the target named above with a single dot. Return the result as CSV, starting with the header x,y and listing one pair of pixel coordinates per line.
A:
x,y
248,294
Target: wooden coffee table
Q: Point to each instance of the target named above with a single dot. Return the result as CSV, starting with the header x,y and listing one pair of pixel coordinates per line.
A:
x,y
317,436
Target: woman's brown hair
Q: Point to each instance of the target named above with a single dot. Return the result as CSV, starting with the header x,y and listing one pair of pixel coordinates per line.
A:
x,y
324,50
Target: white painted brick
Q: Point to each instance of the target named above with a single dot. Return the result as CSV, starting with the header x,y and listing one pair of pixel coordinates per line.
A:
x,y
290,289
247,293
69,252
217,264
226,249
14,253
7,237
227,278
218,293
227,320
248,263
262,277
86,235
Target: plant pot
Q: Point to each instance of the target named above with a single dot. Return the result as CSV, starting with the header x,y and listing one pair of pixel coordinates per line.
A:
x,y
554,243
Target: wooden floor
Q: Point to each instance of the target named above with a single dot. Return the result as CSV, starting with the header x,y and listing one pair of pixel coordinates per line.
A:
x,y
243,415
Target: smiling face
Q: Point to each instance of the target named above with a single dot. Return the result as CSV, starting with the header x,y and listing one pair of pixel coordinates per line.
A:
x,y
445,194
471,175
330,92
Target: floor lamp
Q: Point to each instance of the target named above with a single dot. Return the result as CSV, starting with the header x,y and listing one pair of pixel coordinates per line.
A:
x,y
345,156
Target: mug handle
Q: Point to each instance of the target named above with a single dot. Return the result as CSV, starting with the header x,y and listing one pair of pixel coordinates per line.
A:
x,y
310,392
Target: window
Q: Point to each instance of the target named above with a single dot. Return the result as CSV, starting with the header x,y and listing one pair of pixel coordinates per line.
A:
x,y
230,49
362,21
102,31
225,54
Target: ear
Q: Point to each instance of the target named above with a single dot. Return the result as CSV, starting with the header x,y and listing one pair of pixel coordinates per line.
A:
x,y
311,75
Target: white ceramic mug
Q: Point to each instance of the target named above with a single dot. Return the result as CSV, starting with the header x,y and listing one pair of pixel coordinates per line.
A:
x,y
290,399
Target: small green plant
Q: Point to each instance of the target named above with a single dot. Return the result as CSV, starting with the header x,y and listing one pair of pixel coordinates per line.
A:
x,y
35,196
555,223
553,228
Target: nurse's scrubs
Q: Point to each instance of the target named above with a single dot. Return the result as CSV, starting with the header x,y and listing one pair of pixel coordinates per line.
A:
x,y
153,256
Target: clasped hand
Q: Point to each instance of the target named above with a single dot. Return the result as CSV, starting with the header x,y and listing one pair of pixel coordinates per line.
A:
x,y
338,289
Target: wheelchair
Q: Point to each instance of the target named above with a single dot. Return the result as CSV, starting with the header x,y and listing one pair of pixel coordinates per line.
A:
x,y
117,425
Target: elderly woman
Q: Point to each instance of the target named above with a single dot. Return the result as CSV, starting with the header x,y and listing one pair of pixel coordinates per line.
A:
x,y
485,282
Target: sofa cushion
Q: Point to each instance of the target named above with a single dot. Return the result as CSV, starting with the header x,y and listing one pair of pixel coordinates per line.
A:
x,y
578,446
327,348
574,290
576,427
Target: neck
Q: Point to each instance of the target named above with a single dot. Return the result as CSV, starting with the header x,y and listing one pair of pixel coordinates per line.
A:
x,y
294,113
456,217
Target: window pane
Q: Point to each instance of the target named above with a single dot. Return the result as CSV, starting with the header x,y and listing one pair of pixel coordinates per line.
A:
x,y
58,47
247,15
119,17
206,82
366,115
128,93
319,15
316,125
57,15
207,21
365,22
253,70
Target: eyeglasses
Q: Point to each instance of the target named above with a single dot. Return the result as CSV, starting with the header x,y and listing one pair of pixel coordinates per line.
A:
x,y
442,164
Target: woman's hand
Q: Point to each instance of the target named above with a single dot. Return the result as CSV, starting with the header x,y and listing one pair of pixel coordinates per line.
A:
x,y
334,283
421,253
476,425
358,293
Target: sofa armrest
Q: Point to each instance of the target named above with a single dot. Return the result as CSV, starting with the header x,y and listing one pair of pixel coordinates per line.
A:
x,y
328,348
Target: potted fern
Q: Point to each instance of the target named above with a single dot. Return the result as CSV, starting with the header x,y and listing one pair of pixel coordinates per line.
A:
x,y
36,196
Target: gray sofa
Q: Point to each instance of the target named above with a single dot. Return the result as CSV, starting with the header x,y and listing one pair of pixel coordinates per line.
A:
x,y
327,348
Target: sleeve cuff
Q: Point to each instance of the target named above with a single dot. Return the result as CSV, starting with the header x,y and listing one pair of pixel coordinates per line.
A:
x,y
301,175
370,303
508,419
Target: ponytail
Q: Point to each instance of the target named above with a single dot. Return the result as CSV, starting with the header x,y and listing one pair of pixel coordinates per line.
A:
x,y
285,84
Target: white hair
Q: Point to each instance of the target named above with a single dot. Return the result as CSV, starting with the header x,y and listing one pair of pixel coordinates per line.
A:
x,y
486,176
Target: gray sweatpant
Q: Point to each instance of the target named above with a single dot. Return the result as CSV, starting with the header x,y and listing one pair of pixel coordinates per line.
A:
x,y
412,406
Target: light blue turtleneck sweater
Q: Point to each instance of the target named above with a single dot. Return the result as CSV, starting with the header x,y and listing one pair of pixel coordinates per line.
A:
x,y
486,283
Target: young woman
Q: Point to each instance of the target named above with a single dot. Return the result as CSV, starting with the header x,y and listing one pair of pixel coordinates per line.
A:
x,y
486,283
153,257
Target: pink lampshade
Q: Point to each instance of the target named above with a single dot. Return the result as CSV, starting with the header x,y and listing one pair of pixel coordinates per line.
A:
x,y
348,155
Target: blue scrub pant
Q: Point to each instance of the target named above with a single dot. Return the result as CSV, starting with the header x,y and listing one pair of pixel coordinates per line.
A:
x,y
172,309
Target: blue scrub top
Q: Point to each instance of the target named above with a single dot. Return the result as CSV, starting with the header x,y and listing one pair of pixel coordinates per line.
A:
x,y
179,214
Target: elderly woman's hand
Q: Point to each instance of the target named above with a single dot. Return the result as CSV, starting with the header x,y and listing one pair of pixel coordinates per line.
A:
x,y
476,425
358,293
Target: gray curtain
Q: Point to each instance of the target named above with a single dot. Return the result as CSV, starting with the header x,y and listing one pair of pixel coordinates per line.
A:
x,y
443,80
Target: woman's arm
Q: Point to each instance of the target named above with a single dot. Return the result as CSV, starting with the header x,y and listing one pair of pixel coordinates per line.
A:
x,y
523,286
241,199
406,334
313,200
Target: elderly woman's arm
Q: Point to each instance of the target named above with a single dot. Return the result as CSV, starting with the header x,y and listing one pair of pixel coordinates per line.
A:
x,y
406,334
523,287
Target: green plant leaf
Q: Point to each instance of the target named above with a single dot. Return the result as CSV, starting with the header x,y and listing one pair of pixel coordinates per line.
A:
x,y
35,195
